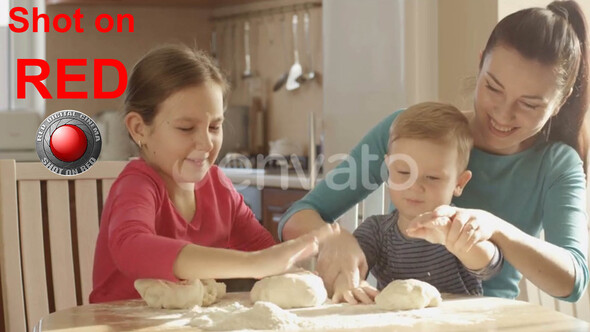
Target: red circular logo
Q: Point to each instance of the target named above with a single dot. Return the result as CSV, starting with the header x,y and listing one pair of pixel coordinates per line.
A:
x,y
68,143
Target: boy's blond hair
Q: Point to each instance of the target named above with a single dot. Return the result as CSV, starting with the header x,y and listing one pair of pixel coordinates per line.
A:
x,y
434,121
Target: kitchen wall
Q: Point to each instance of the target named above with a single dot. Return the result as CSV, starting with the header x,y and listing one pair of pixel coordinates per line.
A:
x,y
463,29
153,25
380,56
272,55
384,54
364,63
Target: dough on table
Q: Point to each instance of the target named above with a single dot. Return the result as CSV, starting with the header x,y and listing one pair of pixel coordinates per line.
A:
x,y
183,295
213,291
408,294
291,290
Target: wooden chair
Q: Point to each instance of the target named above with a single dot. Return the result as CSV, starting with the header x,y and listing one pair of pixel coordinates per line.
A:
x,y
378,203
531,293
48,229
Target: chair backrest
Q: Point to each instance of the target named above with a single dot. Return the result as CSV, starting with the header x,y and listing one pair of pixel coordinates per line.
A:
x,y
48,229
531,293
378,203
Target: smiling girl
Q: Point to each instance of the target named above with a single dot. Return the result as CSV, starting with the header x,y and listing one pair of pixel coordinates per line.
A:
x,y
172,214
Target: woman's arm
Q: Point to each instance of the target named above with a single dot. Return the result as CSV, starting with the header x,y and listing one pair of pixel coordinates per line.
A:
x,y
302,222
549,267
479,257
343,187
349,183
557,271
557,265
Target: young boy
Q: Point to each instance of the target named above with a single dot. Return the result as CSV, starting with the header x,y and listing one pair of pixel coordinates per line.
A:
x,y
428,152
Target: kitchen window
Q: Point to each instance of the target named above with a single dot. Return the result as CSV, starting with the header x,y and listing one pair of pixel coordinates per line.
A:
x,y
15,46
4,56
19,118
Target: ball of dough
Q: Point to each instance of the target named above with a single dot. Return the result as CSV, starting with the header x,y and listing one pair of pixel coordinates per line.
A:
x,y
291,290
408,294
213,291
182,295
169,295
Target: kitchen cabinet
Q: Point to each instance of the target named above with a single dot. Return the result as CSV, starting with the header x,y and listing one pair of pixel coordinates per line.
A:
x,y
275,203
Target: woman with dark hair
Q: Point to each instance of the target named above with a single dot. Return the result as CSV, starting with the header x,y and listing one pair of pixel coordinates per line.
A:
x,y
528,163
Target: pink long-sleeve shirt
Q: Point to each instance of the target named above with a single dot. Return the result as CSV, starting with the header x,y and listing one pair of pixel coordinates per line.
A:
x,y
141,232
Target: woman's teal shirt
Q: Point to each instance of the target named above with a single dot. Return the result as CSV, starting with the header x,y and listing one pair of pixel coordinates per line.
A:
x,y
541,188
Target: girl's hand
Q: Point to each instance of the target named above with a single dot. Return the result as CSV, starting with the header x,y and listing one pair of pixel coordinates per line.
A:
x,y
282,257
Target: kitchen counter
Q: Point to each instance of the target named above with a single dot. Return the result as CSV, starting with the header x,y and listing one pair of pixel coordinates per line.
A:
x,y
261,178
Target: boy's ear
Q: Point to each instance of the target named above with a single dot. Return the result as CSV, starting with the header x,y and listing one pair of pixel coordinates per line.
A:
x,y
136,127
462,182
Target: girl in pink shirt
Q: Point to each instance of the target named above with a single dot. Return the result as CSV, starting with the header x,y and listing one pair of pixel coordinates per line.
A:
x,y
172,214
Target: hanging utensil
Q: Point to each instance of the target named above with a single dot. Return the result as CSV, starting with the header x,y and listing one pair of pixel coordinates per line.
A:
x,y
214,46
269,35
283,78
247,70
310,74
296,69
233,49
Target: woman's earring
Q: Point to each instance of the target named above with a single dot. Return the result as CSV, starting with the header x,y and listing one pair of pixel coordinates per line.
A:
x,y
139,144
548,130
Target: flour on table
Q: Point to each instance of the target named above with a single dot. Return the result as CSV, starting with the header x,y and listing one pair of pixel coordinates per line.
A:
x,y
408,294
291,290
262,316
182,295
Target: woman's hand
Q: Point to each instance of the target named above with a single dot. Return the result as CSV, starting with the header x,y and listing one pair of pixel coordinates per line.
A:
x,y
345,291
429,227
467,227
282,257
341,254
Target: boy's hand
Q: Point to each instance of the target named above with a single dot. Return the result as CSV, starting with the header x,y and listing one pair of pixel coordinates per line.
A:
x,y
430,227
354,293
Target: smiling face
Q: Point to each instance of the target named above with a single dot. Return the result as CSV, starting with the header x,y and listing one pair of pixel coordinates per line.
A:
x,y
429,180
184,139
514,99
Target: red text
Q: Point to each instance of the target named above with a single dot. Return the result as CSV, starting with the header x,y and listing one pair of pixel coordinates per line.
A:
x,y
63,77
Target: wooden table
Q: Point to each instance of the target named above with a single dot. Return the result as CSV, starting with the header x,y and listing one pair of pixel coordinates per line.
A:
x,y
455,314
